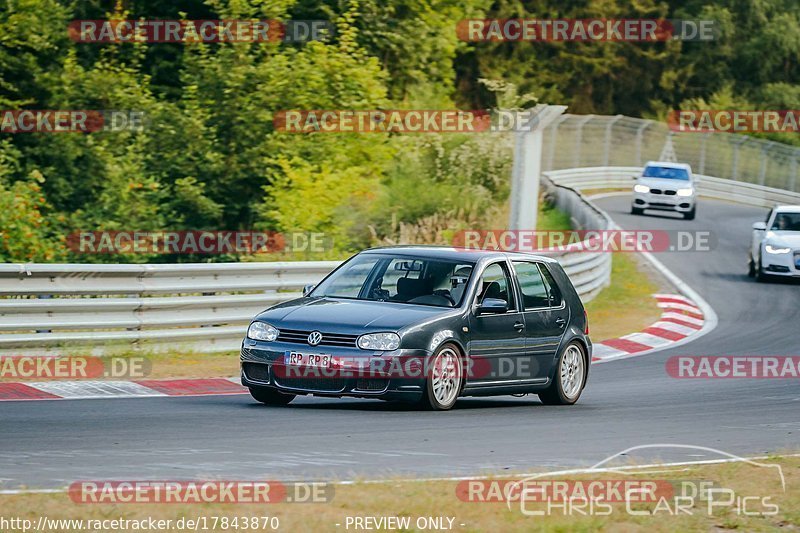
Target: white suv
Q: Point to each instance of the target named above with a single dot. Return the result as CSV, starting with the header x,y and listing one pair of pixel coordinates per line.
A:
x,y
666,187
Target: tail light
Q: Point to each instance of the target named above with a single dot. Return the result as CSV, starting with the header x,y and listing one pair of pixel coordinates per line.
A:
x,y
586,323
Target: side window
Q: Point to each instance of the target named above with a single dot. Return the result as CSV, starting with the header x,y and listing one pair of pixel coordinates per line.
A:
x,y
495,283
351,280
534,290
552,288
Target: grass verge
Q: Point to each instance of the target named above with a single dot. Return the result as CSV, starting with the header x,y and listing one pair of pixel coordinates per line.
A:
x,y
751,499
627,305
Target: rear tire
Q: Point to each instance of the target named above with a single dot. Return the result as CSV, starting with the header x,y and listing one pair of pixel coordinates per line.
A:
x,y
445,379
269,396
570,377
751,268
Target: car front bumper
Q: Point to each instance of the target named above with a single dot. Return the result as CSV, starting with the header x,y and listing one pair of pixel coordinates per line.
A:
x,y
663,202
787,265
396,375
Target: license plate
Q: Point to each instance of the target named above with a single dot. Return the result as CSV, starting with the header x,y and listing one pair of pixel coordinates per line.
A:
x,y
307,359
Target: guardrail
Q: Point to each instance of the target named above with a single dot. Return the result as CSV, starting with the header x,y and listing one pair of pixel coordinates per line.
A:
x,y
63,308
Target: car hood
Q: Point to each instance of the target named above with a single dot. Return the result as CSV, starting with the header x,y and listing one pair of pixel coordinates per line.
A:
x,y
348,316
790,239
660,183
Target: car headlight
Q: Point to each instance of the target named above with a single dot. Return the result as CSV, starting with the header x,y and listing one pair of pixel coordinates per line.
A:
x,y
379,341
685,192
641,188
775,250
261,331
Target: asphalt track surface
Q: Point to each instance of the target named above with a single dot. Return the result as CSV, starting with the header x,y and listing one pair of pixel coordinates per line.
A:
x,y
627,403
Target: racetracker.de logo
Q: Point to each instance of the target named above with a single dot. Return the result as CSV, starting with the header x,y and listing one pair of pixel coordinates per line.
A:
x,y
607,241
733,367
69,121
23,367
199,31
195,242
595,29
734,121
202,492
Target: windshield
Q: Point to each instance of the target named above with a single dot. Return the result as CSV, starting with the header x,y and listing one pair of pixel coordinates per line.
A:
x,y
786,222
402,279
668,173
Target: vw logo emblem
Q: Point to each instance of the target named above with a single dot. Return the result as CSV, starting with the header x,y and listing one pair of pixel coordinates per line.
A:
x,y
314,338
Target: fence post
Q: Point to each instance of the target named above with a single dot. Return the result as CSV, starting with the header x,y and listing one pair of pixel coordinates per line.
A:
x,y
762,170
579,139
607,150
737,144
553,141
527,167
639,137
703,153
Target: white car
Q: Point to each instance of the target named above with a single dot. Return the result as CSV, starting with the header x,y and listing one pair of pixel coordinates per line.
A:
x,y
775,249
665,186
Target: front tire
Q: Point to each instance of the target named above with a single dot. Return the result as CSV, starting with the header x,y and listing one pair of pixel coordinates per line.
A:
x,y
636,210
445,379
751,268
570,377
269,396
761,276
691,214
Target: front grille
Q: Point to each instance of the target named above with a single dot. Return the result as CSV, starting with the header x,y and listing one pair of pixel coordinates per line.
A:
x,y
661,204
321,383
670,193
256,372
777,268
655,191
328,339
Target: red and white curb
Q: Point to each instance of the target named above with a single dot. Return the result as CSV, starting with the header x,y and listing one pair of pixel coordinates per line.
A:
x,y
680,320
142,388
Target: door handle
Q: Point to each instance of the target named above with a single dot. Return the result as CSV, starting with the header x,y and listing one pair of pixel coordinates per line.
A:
x,y
561,322
519,326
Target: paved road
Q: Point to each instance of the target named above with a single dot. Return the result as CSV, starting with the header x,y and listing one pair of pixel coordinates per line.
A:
x,y
627,403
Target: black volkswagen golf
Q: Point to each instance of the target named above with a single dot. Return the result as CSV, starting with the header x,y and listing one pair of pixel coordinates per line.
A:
x,y
427,325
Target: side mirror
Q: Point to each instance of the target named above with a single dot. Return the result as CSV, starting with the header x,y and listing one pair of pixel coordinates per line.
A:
x,y
492,306
760,226
308,288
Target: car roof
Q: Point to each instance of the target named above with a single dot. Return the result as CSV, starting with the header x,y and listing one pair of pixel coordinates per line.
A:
x,y
669,164
451,253
787,209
